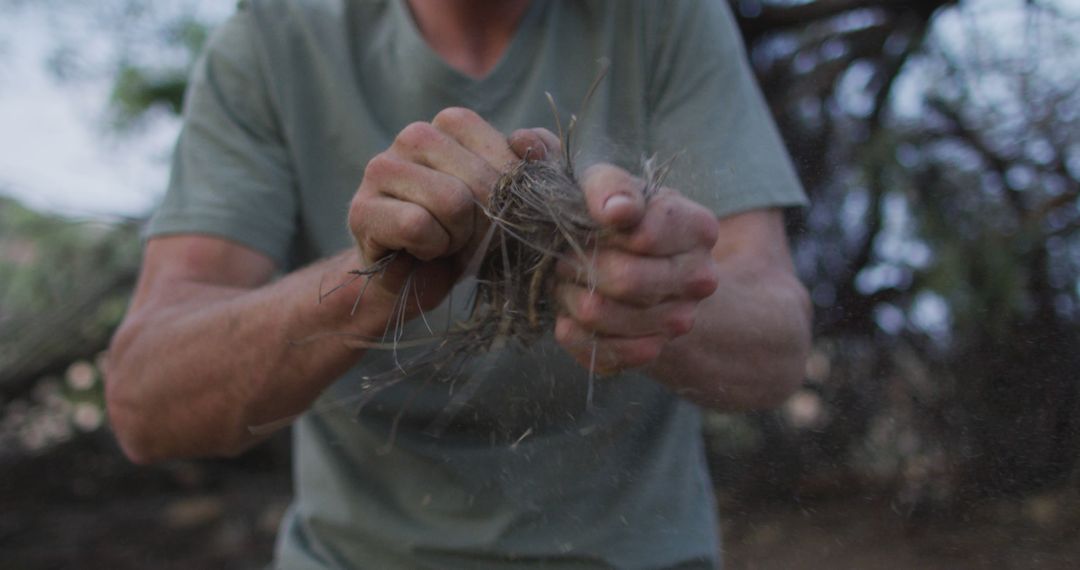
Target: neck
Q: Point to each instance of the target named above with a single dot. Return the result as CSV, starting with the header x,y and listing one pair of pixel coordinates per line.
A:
x,y
471,35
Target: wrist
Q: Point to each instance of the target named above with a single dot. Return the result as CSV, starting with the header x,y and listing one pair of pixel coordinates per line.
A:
x,y
347,303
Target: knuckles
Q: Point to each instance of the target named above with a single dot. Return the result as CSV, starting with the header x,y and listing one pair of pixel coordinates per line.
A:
x,y
418,136
645,239
456,202
414,226
458,209
408,225
627,282
381,167
455,119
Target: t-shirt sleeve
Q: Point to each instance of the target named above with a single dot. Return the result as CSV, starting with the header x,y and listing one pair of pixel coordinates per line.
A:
x,y
707,110
231,174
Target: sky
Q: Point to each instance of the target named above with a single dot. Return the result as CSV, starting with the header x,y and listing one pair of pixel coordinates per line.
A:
x,y
58,150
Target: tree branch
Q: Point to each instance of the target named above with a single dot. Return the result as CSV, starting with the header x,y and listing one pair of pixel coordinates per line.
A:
x,y
1000,164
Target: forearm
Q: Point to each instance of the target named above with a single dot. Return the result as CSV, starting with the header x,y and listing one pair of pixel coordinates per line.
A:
x,y
189,375
749,343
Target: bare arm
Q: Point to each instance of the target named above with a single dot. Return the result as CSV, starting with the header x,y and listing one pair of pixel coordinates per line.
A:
x,y
207,348
709,307
751,337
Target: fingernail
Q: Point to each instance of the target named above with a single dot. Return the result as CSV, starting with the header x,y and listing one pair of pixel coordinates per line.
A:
x,y
616,201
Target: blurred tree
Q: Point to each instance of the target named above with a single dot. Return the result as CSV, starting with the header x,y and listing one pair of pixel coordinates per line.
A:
x,y
64,283
999,185
829,70
141,86
939,147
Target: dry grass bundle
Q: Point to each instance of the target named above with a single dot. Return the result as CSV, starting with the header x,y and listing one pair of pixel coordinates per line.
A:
x,y
538,216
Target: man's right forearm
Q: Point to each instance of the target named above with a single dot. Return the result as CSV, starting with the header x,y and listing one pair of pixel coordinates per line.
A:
x,y
208,350
192,369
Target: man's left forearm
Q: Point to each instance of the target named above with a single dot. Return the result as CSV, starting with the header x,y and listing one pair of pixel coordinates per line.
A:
x,y
750,339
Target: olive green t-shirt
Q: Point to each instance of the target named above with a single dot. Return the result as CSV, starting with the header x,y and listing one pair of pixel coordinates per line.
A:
x,y
291,100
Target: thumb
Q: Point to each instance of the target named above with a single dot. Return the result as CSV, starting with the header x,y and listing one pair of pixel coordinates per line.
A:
x,y
614,196
535,144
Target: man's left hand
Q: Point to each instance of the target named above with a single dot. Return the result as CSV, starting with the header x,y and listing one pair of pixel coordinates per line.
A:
x,y
644,279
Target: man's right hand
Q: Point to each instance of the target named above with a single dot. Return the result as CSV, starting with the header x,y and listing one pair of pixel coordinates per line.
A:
x,y
208,327
421,197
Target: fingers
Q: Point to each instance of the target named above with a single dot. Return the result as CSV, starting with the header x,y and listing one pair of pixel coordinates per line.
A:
x,y
476,135
671,225
420,195
604,315
635,307
614,197
392,225
460,143
667,225
447,199
644,281
606,355
535,144
426,145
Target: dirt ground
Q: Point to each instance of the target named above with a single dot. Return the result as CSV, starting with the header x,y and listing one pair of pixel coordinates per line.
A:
x,y
88,509
867,534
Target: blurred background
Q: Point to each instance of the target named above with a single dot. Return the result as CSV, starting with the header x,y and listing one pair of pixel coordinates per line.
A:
x,y
939,426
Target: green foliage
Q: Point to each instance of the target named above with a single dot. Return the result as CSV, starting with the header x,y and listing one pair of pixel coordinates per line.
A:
x,y
137,90
939,156
45,260
139,87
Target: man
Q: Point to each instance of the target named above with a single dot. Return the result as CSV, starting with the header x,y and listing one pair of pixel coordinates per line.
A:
x,y
304,115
